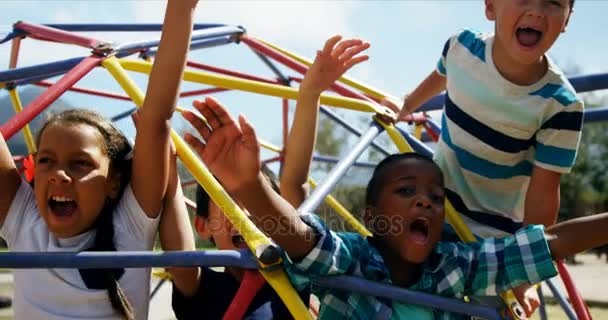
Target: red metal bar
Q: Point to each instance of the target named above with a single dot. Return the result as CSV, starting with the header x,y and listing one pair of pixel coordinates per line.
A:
x,y
229,72
98,93
273,159
202,92
18,159
51,34
189,183
251,284
45,99
429,130
575,297
14,53
297,66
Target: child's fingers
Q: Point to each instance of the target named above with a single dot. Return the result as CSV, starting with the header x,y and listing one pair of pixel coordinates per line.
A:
x,y
342,46
352,62
195,143
249,136
207,112
220,112
198,124
353,51
330,43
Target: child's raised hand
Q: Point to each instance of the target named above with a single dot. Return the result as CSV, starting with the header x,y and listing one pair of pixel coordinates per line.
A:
x,y
332,62
231,152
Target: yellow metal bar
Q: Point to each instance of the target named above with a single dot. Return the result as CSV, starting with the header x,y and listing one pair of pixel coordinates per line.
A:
x,y
27,133
418,131
373,92
454,219
228,82
254,238
345,214
270,146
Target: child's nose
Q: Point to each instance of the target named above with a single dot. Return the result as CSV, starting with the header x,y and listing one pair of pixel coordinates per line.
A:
x,y
536,9
423,202
59,176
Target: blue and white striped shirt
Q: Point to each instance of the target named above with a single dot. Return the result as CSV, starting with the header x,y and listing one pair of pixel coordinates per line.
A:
x,y
494,132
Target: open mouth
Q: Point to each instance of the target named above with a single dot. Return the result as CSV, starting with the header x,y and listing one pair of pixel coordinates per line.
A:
x,y
238,241
419,230
528,37
62,206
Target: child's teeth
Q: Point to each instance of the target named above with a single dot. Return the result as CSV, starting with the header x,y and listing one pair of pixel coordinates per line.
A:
x,y
61,199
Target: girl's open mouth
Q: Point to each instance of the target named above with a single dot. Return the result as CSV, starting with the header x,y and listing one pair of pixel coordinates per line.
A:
x,y
62,206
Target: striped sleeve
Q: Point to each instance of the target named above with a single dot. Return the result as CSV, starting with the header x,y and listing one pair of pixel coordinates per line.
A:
x,y
441,69
558,139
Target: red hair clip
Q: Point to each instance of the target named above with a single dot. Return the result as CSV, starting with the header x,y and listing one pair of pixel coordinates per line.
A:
x,y
28,168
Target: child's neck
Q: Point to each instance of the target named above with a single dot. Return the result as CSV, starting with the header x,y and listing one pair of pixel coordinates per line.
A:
x,y
403,273
516,72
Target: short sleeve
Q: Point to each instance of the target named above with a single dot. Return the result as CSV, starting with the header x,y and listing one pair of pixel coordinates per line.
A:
x,y
558,139
20,215
131,220
333,254
441,64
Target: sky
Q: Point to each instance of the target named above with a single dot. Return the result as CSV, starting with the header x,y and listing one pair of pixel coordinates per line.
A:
x,y
406,40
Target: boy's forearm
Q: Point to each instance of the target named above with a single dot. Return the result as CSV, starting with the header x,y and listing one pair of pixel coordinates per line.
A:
x,y
10,179
299,148
431,86
276,217
542,197
577,235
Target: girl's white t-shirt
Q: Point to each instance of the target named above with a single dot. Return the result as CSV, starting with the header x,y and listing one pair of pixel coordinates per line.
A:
x,y
61,293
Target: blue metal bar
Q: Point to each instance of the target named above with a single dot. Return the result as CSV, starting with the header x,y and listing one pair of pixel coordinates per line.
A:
x,y
366,287
330,159
196,35
11,35
31,80
332,115
284,80
137,259
596,114
418,146
590,82
141,27
122,115
194,45
315,199
562,301
542,311
40,69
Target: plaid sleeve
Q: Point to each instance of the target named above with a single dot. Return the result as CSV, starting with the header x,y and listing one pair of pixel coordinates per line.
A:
x,y
558,139
334,254
496,265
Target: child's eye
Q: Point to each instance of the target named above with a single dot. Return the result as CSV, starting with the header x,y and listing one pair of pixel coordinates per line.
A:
x,y
555,3
408,191
82,163
436,198
42,160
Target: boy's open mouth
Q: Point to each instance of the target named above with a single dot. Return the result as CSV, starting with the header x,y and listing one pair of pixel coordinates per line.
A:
x,y
528,37
62,206
238,241
419,230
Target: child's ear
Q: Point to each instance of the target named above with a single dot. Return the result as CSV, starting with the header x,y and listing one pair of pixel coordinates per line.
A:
x,y
566,23
490,13
200,224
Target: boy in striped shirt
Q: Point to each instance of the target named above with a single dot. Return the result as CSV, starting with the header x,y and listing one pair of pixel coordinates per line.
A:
x,y
512,122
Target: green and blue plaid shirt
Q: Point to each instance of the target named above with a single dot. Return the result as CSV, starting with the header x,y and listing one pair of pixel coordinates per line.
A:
x,y
452,269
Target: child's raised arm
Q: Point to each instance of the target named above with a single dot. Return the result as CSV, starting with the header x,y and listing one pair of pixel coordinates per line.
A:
x,y
577,235
151,154
10,179
232,154
329,65
431,86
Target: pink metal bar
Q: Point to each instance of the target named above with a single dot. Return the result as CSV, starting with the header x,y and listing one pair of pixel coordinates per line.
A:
x,y
51,34
45,99
298,67
202,92
229,72
92,92
14,53
190,204
575,297
189,183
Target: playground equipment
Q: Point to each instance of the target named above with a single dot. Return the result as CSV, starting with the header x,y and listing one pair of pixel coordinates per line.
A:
x,y
262,254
